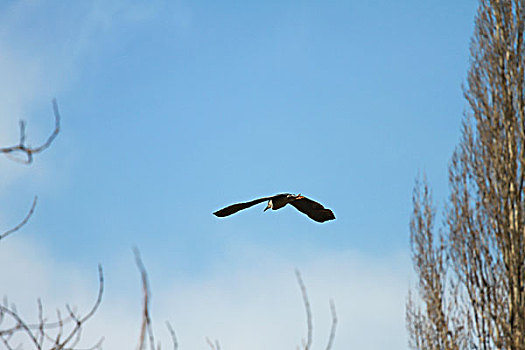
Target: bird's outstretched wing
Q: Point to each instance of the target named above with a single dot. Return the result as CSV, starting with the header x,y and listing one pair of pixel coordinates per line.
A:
x,y
314,210
232,209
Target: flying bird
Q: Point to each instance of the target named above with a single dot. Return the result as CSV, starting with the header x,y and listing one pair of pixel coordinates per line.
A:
x,y
314,210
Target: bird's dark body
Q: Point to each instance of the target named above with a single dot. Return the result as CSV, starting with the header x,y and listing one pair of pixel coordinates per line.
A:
x,y
280,200
312,209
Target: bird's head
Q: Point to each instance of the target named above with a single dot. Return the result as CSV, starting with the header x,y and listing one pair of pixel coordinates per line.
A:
x,y
270,205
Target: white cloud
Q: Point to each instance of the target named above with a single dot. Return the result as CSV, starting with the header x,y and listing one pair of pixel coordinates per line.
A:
x,y
260,307
252,305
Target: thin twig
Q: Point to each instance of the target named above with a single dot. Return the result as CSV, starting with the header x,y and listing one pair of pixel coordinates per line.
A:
x,y
60,328
213,346
334,324
21,325
47,325
28,150
23,222
97,345
173,336
39,333
6,343
80,321
41,322
146,319
307,309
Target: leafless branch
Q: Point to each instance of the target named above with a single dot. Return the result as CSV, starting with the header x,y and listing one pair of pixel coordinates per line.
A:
x,y
173,337
334,325
146,328
309,327
470,291
49,331
20,325
23,222
213,346
307,345
29,151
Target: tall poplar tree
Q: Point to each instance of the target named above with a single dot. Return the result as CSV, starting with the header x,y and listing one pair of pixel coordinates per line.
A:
x,y
470,292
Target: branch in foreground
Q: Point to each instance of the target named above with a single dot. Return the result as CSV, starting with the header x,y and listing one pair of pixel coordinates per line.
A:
x,y
23,222
309,327
213,346
309,323
146,328
173,337
146,319
64,333
334,325
29,151
146,333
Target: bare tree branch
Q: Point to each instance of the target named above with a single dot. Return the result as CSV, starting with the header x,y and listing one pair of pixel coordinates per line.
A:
x,y
146,328
29,151
63,333
23,222
213,346
309,327
334,325
173,337
307,345
46,331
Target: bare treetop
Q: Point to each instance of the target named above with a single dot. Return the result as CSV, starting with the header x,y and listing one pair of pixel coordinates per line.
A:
x,y
471,272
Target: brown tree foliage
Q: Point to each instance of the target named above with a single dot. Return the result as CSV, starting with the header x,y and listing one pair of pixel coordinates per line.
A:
x,y
471,272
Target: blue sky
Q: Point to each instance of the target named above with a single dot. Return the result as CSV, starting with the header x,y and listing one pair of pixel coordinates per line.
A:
x,y
172,110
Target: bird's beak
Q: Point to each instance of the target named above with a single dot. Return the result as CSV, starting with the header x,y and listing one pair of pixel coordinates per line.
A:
x,y
265,209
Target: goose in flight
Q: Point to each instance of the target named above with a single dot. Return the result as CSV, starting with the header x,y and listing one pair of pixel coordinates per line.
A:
x,y
314,210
